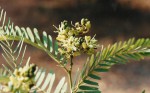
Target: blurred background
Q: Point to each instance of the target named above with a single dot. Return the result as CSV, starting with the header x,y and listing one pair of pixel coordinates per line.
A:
x,y
112,20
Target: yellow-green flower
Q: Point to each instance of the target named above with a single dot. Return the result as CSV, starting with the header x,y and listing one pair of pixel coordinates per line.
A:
x,y
84,27
22,79
71,40
61,37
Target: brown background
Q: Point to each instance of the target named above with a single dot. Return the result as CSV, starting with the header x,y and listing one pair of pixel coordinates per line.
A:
x,y
112,20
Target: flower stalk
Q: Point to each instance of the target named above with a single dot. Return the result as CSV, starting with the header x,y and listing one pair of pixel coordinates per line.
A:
x,y
73,41
70,73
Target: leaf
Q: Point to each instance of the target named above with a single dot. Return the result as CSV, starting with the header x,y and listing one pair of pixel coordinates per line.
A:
x,y
48,78
64,88
91,60
50,43
84,68
60,85
51,83
56,48
101,70
118,53
94,76
90,82
18,30
11,54
143,91
104,65
41,78
30,38
3,17
88,88
36,33
30,34
91,91
45,41
76,77
38,74
25,35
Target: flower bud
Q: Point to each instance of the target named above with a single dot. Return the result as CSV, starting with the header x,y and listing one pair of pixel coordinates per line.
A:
x,y
83,21
84,45
77,24
64,24
61,37
87,38
88,25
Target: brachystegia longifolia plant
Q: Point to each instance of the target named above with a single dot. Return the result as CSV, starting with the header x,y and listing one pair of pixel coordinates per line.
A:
x,y
71,41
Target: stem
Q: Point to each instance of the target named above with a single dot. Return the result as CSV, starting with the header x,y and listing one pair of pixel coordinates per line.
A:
x,y
70,73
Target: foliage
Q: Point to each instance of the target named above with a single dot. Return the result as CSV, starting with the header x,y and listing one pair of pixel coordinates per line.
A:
x,y
70,43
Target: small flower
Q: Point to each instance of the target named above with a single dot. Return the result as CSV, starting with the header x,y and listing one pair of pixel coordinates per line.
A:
x,y
84,45
86,23
22,79
84,27
91,43
61,37
70,46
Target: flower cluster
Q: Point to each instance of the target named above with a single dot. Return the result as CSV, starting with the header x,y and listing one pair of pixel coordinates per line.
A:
x,y
22,79
72,41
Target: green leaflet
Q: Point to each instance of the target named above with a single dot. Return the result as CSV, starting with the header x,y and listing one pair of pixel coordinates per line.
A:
x,y
36,33
3,17
94,76
64,88
88,88
56,48
25,35
45,40
41,78
92,91
50,43
76,77
18,30
104,65
30,34
90,82
60,85
101,70
91,60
